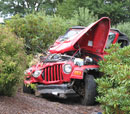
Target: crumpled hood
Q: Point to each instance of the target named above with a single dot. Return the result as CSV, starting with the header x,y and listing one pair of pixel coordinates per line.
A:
x,y
93,38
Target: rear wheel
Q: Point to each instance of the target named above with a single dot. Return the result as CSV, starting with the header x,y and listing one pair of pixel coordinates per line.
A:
x,y
27,89
89,91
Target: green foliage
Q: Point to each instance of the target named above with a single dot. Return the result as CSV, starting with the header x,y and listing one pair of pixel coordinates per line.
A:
x,y
39,30
124,28
71,9
66,8
12,62
75,8
114,85
32,86
117,10
84,17
25,6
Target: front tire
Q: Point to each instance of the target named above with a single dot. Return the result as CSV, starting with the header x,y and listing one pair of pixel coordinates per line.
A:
x,y
89,91
27,89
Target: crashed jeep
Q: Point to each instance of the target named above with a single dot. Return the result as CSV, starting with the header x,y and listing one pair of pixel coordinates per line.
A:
x,y
72,63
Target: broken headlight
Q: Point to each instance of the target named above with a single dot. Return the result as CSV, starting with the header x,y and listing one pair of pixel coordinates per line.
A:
x,y
67,68
36,73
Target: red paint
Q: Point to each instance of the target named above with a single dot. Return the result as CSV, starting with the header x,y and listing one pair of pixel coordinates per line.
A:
x,y
116,37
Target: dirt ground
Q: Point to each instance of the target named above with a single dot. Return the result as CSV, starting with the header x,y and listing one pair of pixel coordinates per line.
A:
x,y
29,104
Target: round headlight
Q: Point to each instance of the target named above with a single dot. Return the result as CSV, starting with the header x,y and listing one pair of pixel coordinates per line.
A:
x,y
36,73
67,68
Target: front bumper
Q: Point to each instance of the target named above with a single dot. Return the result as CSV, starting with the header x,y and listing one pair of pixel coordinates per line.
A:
x,y
54,89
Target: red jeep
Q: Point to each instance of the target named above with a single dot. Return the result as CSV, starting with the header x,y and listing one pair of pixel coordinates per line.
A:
x,y
73,61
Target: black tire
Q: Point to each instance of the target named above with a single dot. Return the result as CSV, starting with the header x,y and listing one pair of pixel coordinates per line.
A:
x,y
90,91
27,89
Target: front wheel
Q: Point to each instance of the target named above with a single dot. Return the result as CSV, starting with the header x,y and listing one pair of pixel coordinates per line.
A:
x,y
89,91
27,89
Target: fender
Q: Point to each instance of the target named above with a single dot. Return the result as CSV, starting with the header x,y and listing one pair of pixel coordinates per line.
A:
x,y
78,72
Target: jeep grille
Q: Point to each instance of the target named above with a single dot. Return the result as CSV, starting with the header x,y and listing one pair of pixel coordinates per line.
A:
x,y
52,73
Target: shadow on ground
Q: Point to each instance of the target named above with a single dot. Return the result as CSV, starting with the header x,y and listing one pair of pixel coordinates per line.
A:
x,y
71,99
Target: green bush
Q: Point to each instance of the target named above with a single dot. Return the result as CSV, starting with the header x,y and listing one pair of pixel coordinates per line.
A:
x,y
39,30
12,62
84,17
114,85
124,28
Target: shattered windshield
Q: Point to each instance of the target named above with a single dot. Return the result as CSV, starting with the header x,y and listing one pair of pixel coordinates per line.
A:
x,y
69,34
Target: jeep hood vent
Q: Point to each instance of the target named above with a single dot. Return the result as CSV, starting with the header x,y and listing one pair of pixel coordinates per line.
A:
x,y
93,38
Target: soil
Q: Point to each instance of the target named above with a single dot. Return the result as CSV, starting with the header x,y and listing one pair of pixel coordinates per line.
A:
x,y
23,103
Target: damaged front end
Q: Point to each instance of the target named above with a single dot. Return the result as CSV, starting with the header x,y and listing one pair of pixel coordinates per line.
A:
x,y
58,72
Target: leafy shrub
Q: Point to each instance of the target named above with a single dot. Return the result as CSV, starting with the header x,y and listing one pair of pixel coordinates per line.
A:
x,y
39,30
114,86
12,62
84,17
124,28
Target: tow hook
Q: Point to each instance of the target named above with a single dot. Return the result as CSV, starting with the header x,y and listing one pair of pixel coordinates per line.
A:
x,y
71,84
